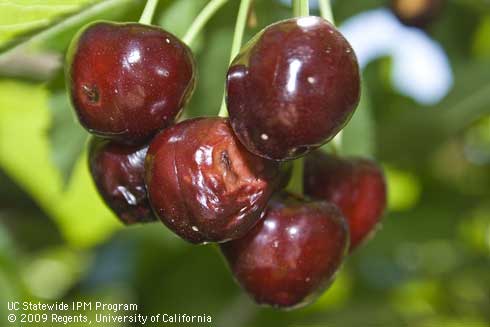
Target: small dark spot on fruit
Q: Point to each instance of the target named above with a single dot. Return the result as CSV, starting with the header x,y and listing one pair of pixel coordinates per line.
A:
x,y
91,92
225,160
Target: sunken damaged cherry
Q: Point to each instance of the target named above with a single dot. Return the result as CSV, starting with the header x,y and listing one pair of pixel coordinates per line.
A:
x,y
204,185
291,256
292,88
118,173
357,186
128,81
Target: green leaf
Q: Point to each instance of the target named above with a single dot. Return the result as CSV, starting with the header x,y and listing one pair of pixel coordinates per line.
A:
x,y
25,156
420,131
481,43
38,55
186,11
212,67
358,137
67,137
22,16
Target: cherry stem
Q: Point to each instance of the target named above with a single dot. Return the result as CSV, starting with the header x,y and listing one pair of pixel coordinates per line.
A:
x,y
326,10
204,16
148,12
236,44
301,8
295,184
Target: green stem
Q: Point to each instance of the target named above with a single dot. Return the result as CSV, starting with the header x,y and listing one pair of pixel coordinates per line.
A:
x,y
241,22
301,8
326,10
204,16
327,13
147,15
296,182
337,142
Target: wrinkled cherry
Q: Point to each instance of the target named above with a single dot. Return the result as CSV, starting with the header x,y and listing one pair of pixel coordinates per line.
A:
x,y
203,184
356,186
118,173
291,256
292,88
128,81
418,13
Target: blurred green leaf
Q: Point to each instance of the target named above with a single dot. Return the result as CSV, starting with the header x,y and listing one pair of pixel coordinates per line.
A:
x,y
358,136
475,230
67,137
403,189
419,132
21,16
38,55
25,156
51,273
186,11
481,43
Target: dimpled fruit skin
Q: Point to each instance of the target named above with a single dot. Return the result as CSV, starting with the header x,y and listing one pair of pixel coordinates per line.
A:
x,y
291,256
118,173
203,184
356,186
292,88
128,81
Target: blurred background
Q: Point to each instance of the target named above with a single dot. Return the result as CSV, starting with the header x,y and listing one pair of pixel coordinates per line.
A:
x,y
425,115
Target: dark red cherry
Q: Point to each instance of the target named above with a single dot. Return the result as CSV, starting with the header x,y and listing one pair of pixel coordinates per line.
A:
x,y
418,13
356,186
292,88
128,81
203,184
118,173
291,256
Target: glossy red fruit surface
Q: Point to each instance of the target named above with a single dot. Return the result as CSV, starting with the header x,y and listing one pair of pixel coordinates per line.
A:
x,y
118,173
356,186
128,81
292,88
203,184
291,256
417,13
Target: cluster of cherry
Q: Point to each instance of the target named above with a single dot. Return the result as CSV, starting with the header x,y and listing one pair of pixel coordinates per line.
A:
x,y
291,89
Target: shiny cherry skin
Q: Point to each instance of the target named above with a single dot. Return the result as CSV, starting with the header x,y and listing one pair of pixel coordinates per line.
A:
x,y
118,174
128,81
203,184
291,256
417,13
292,88
356,186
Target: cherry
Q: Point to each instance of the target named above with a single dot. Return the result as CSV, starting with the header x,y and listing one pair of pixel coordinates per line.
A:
x,y
291,256
356,186
418,13
118,173
203,184
292,88
128,81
